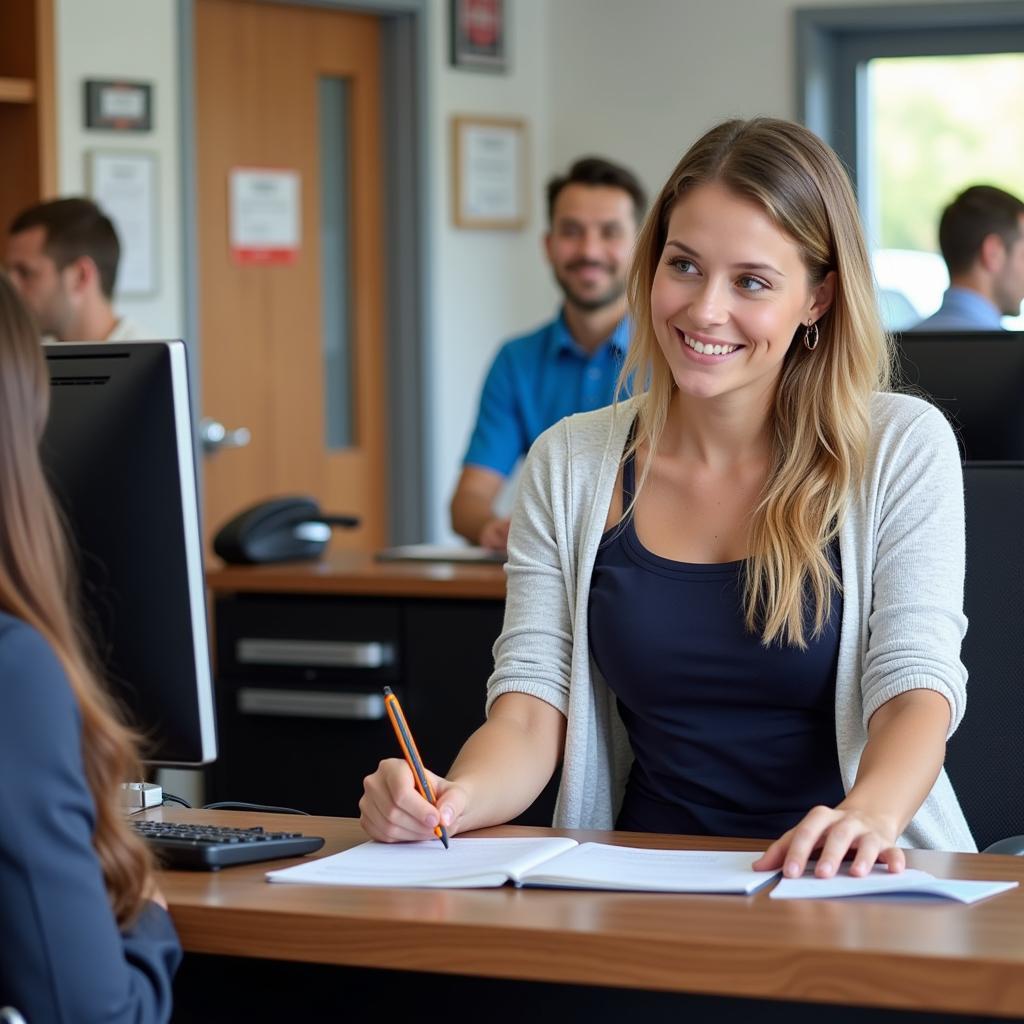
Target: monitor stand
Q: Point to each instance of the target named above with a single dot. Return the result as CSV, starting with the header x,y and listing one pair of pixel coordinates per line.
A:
x,y
137,796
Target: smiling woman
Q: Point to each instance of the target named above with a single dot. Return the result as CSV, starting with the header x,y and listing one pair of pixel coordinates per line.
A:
x,y
730,280
692,571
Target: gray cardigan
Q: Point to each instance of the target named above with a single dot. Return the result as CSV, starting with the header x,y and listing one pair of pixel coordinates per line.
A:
x,y
902,552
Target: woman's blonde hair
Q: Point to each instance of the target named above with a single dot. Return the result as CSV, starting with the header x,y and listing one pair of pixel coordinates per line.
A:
x,y
37,585
821,418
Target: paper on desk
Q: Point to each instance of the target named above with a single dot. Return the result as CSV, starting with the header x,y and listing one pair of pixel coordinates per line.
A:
x,y
881,882
440,553
468,863
627,868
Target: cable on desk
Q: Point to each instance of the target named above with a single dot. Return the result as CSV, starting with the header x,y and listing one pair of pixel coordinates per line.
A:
x,y
233,805
170,798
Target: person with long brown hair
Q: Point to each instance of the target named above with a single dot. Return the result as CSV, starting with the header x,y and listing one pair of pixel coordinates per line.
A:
x,y
735,600
84,932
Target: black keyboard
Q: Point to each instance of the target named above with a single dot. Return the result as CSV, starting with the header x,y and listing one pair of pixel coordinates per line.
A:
x,y
209,847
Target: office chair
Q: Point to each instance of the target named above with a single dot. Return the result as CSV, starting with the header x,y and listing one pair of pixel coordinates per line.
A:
x,y
985,757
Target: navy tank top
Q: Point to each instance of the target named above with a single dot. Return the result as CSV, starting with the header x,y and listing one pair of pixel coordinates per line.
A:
x,y
729,737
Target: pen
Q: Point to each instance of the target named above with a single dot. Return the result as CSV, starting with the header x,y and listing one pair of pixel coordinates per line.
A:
x,y
412,755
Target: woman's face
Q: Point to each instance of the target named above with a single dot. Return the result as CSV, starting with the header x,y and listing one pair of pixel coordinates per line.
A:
x,y
728,296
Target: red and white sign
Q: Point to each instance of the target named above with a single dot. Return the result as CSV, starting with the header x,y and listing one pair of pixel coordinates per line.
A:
x,y
265,212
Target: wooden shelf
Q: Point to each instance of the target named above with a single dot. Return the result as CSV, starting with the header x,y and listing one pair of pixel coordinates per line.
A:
x,y
17,90
27,105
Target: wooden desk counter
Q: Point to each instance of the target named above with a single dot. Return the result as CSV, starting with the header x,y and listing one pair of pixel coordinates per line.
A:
x,y
356,574
933,955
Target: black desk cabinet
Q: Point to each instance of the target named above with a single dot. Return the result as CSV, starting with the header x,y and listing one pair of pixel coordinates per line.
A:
x,y
300,709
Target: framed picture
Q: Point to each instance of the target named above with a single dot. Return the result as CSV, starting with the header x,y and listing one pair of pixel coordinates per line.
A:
x,y
478,37
119,106
489,172
123,184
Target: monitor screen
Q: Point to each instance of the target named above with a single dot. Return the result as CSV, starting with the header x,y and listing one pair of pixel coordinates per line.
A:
x,y
977,378
119,456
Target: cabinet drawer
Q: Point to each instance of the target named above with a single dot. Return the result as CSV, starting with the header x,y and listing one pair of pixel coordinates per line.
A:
x,y
310,639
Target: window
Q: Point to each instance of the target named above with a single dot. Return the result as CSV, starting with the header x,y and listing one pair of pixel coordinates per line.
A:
x,y
920,101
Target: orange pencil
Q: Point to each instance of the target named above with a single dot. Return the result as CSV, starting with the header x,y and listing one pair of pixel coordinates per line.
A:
x,y
412,755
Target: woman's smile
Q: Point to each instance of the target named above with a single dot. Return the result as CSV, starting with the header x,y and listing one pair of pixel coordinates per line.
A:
x,y
704,349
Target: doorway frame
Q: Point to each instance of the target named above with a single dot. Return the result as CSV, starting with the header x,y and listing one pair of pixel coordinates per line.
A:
x,y
407,278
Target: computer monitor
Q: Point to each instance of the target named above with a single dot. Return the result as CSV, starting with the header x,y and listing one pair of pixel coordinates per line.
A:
x,y
119,456
977,378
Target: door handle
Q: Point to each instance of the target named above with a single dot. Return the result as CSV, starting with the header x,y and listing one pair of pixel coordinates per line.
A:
x,y
215,436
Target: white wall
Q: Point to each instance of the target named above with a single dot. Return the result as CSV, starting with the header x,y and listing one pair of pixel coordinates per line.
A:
x,y
133,40
642,80
488,285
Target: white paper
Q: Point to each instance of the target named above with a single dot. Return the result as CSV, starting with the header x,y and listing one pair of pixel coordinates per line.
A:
x,y
440,553
124,186
265,209
117,103
599,866
466,864
880,882
491,172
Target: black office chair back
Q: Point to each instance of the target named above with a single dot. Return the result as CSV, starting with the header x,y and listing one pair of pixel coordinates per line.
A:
x,y
985,759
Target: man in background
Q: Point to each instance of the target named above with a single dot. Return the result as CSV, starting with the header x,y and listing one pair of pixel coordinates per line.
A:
x,y
981,235
569,364
62,256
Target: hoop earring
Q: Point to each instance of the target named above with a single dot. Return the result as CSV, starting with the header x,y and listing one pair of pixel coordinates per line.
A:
x,y
811,337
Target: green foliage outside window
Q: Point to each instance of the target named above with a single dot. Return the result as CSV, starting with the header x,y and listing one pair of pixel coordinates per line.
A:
x,y
940,124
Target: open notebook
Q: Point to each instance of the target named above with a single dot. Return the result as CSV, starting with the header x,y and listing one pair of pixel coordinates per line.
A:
x,y
557,862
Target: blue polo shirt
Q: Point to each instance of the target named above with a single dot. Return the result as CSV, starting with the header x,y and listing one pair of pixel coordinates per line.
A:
x,y
963,310
536,380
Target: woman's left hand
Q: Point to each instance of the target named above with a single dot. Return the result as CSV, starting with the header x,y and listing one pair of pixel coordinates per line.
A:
x,y
836,832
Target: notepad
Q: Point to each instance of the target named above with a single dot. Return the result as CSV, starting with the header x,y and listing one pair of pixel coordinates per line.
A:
x,y
555,863
880,882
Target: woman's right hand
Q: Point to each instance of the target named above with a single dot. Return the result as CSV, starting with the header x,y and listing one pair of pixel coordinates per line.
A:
x,y
392,811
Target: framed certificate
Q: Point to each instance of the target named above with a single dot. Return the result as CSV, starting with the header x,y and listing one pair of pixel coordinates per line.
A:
x,y
489,172
123,184
119,106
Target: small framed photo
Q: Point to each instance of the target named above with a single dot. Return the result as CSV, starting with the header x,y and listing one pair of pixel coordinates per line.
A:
x,y
118,106
478,36
489,175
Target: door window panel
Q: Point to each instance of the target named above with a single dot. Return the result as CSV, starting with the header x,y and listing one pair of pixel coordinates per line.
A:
x,y
335,262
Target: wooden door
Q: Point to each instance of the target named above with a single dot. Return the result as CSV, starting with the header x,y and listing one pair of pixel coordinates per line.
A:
x,y
259,74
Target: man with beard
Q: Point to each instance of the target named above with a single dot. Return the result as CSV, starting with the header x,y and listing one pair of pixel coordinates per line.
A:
x,y
568,365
